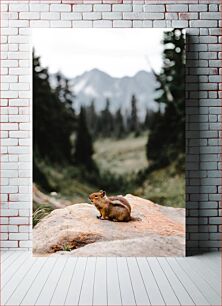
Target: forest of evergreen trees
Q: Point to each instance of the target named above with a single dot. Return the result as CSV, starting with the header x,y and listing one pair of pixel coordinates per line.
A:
x,y
118,125
61,136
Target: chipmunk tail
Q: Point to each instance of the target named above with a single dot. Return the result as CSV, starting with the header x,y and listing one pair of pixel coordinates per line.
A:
x,y
135,219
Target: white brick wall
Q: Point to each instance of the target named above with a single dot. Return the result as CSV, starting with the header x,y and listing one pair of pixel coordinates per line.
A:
x,y
200,17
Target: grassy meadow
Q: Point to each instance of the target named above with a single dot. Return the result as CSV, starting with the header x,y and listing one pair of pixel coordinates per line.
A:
x,y
121,156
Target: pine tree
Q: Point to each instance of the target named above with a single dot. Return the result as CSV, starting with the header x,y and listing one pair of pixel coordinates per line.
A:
x,y
83,144
127,121
64,92
134,121
92,118
166,141
148,120
53,123
106,121
119,124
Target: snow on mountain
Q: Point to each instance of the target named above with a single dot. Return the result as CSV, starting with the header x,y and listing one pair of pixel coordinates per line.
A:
x,y
97,85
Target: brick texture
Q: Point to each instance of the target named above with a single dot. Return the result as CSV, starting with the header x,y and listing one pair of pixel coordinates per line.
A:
x,y
201,18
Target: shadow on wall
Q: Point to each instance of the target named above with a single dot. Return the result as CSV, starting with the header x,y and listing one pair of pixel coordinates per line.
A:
x,y
193,171
199,230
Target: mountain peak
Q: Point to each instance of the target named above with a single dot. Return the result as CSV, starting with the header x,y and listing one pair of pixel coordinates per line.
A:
x,y
96,71
142,73
97,85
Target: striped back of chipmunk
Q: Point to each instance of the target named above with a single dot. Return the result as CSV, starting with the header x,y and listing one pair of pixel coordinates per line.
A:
x,y
121,201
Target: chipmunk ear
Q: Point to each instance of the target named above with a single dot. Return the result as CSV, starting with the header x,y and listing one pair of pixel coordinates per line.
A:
x,y
103,193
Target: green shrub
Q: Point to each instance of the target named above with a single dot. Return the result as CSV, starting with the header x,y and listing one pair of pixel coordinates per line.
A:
x,y
40,212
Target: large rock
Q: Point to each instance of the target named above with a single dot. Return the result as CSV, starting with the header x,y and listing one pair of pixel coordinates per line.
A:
x,y
155,231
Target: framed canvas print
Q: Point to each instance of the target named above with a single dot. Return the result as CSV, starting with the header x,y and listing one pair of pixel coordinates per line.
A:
x,y
108,142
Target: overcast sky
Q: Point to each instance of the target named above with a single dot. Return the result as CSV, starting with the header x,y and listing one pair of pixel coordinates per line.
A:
x,y
118,52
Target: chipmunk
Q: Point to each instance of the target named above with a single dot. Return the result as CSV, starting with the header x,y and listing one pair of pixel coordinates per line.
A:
x,y
115,208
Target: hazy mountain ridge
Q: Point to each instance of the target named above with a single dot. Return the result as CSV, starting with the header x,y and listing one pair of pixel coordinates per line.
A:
x,y
97,85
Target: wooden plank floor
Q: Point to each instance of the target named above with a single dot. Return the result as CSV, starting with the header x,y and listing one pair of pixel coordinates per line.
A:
x,y
64,280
